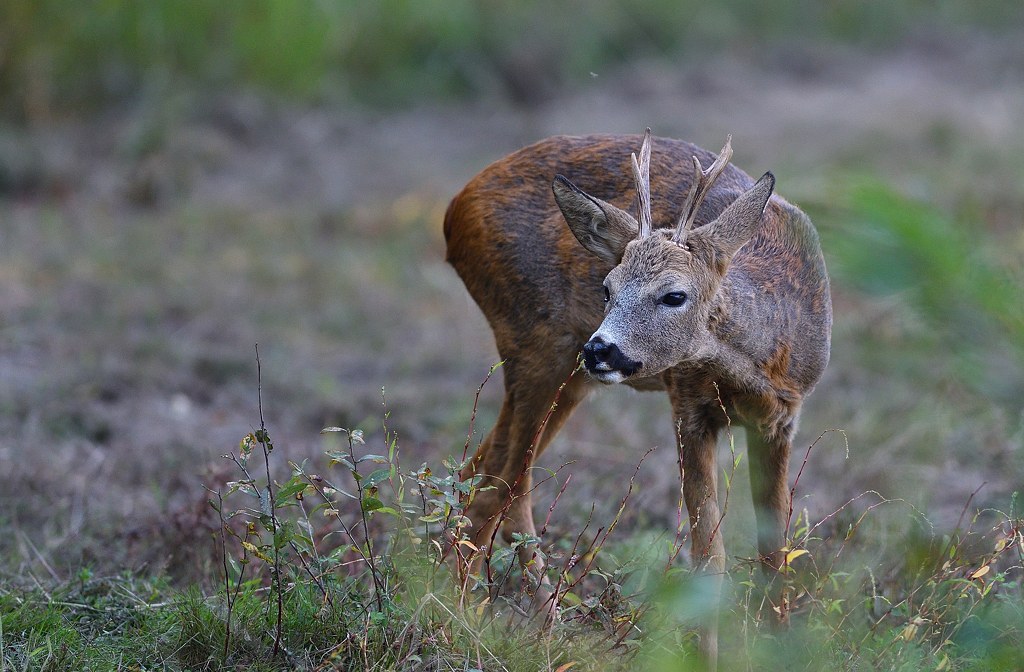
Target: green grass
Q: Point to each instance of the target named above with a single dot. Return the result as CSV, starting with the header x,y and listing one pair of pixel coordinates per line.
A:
x,y
57,56
365,584
86,624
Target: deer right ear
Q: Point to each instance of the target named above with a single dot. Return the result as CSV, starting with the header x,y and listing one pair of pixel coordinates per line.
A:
x,y
603,229
741,219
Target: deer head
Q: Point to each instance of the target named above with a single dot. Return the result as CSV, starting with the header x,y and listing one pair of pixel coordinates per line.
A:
x,y
664,288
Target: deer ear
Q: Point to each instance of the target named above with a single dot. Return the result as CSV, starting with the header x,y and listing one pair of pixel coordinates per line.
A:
x,y
740,221
603,229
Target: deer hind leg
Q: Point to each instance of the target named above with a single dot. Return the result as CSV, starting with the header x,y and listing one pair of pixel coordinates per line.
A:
x,y
506,455
488,462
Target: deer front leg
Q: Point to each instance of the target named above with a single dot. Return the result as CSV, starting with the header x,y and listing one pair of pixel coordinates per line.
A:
x,y
700,492
697,411
768,452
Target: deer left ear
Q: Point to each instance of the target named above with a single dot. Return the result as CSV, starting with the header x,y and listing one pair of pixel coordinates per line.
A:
x,y
740,221
601,228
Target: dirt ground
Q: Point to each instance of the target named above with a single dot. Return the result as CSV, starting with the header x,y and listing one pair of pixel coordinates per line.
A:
x,y
144,251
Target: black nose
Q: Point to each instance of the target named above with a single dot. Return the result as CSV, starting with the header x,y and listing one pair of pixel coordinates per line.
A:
x,y
599,356
596,351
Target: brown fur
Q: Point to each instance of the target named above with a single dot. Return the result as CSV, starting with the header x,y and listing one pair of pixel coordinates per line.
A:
x,y
756,338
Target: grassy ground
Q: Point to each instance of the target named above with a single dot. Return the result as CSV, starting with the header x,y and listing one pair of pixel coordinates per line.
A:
x,y
349,567
151,234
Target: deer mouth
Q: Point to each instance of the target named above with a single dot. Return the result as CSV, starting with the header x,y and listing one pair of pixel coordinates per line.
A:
x,y
608,377
606,362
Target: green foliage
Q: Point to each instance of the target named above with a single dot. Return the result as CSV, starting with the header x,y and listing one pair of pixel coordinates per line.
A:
x,y
892,244
60,54
861,597
371,552
945,270
371,587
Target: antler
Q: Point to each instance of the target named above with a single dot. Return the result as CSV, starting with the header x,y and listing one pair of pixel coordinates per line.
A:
x,y
702,183
642,176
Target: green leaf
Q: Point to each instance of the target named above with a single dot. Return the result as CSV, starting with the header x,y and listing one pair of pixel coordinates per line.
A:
x,y
338,457
283,536
376,477
303,543
290,489
372,504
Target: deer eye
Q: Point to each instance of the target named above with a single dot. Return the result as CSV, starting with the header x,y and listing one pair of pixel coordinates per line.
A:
x,y
674,299
607,294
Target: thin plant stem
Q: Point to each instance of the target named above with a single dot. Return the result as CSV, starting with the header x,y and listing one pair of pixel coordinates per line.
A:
x,y
271,504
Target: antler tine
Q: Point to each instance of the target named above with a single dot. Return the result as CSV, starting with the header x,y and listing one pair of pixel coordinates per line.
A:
x,y
721,162
642,177
703,180
683,226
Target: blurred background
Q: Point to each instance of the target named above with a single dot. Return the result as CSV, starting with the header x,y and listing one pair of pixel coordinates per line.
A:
x,y
182,180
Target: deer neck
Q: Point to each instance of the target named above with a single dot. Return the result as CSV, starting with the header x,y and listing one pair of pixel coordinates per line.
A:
x,y
735,340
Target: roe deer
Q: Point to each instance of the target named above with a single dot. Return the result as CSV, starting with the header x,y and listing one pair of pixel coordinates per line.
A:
x,y
716,293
